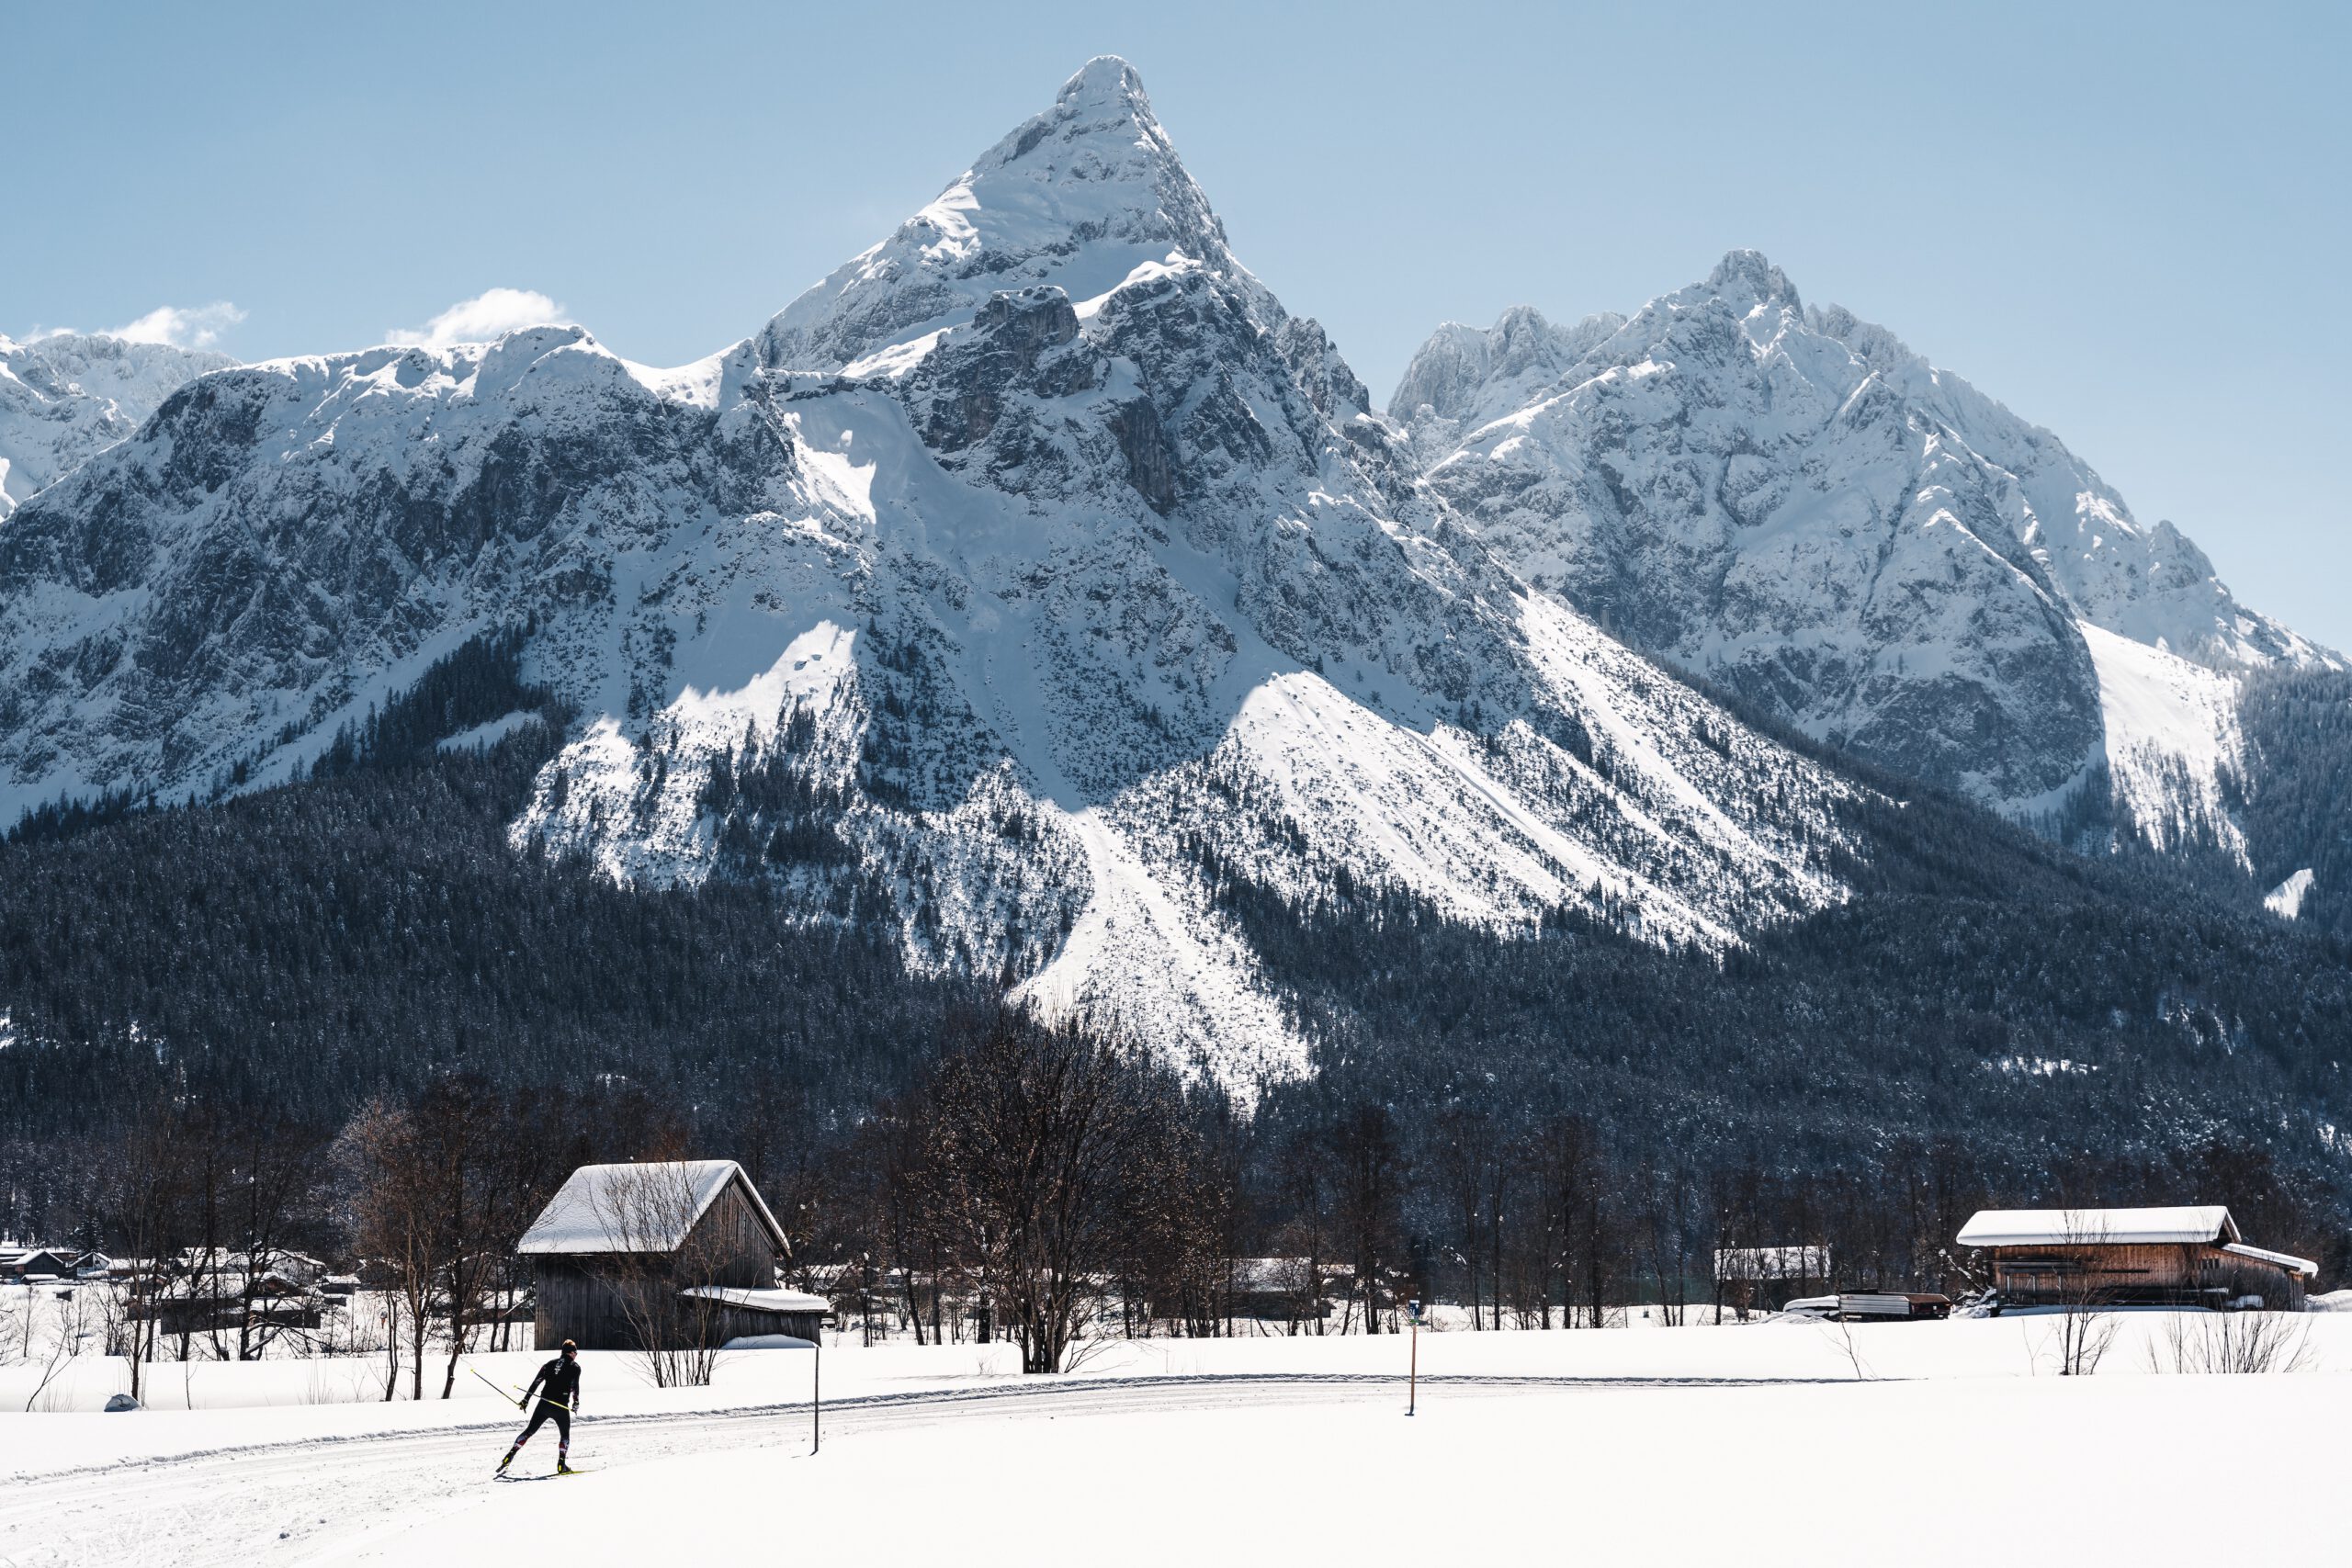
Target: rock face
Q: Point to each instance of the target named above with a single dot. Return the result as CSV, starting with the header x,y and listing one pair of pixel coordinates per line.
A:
x,y
1791,503
282,545
1029,580
65,398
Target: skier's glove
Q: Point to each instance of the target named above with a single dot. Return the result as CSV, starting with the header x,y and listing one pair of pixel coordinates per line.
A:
x,y
524,1402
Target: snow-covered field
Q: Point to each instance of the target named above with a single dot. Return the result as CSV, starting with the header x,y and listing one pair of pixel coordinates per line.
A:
x,y
1774,1440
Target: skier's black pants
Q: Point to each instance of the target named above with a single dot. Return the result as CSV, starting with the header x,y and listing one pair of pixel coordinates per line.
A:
x,y
538,1418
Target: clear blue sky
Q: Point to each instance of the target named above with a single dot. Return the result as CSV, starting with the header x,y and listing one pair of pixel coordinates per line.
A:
x,y
2128,223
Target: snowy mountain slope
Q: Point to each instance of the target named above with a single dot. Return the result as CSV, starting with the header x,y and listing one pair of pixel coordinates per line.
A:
x,y
2286,900
1123,536
64,398
2171,736
1030,579
1791,502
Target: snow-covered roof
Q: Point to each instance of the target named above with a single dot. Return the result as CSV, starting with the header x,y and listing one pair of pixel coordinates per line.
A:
x,y
1771,1263
761,1301
2286,1260
1273,1274
17,1258
629,1207
2043,1227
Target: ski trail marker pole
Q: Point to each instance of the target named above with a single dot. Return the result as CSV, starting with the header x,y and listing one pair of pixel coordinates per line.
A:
x,y
1413,1362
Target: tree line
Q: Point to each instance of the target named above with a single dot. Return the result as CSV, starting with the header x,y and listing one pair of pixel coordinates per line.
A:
x,y
1049,1188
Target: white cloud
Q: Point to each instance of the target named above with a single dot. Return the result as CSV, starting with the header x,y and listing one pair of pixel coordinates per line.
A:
x,y
198,326
490,314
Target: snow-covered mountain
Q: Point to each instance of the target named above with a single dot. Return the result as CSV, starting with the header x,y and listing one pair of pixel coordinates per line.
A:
x,y
1793,503
66,397
1025,581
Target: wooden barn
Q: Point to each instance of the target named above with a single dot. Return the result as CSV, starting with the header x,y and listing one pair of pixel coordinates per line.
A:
x,y
2190,1256
660,1255
42,1263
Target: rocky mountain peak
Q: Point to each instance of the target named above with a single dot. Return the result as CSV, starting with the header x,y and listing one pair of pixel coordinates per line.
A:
x,y
1082,197
1794,503
1746,278
1520,339
1467,376
1104,85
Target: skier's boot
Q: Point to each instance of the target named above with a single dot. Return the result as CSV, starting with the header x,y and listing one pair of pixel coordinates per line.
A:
x,y
563,1467
507,1461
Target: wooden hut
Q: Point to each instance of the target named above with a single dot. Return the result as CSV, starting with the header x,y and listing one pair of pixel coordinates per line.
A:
x,y
660,1255
1767,1278
2190,1256
760,1314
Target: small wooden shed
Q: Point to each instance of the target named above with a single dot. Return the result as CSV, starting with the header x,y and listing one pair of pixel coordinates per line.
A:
x,y
660,1255
1768,1277
2186,1256
762,1315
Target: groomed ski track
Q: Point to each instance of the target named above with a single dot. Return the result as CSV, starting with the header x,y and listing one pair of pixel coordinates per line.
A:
x,y
297,1503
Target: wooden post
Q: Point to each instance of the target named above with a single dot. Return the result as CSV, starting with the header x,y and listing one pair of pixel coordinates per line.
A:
x,y
1413,1359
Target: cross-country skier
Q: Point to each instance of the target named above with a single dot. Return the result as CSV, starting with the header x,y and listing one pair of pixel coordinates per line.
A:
x,y
561,1400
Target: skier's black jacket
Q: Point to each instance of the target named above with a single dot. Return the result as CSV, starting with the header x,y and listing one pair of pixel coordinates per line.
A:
x,y
562,1379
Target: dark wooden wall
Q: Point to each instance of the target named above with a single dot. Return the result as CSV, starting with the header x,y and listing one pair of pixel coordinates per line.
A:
x,y
741,1323
2101,1271
730,1245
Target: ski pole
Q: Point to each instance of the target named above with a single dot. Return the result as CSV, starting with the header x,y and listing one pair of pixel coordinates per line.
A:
x,y
510,1388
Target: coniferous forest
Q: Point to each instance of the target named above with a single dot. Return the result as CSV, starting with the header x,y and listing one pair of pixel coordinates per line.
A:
x,y
1993,1019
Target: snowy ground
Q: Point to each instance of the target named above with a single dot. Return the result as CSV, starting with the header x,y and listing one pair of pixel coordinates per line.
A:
x,y
1778,1441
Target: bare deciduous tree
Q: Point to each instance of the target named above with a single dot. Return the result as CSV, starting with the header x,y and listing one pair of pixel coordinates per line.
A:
x,y
69,1313
1368,1197
1039,1145
2232,1342
398,1226
665,1268
150,1203
2086,1325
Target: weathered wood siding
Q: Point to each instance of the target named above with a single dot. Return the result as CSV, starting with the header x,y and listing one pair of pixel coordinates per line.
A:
x,y
742,1323
733,1243
579,1297
2196,1272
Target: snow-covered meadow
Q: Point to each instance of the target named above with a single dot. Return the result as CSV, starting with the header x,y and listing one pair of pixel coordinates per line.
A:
x,y
1778,1440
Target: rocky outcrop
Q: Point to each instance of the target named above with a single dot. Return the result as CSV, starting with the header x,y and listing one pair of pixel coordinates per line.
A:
x,y
67,397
